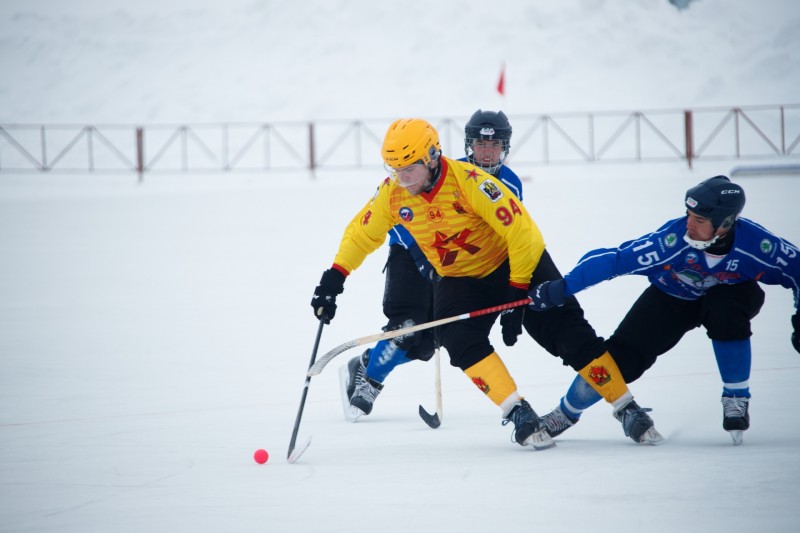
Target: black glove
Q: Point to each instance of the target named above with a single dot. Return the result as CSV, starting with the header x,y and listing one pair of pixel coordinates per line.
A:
x,y
547,294
324,301
796,332
511,319
424,266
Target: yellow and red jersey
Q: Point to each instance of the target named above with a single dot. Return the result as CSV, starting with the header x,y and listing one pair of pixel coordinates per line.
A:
x,y
466,226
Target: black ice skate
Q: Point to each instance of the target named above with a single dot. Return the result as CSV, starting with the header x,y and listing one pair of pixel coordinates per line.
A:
x,y
351,376
736,418
637,424
557,422
528,430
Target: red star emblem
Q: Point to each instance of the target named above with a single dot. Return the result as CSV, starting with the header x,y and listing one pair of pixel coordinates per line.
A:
x,y
448,257
472,174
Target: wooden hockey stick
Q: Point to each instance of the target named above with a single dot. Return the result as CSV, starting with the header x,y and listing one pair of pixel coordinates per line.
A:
x,y
317,367
435,420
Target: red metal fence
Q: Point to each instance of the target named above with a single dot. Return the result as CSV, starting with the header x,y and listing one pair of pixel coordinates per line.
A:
x,y
755,132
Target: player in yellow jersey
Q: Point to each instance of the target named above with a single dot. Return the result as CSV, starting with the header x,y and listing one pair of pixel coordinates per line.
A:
x,y
488,251
408,291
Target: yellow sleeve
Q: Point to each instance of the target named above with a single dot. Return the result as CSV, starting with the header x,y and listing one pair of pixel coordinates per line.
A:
x,y
507,216
366,232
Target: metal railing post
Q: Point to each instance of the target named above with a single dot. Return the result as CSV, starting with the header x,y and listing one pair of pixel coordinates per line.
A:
x,y
311,156
140,153
687,121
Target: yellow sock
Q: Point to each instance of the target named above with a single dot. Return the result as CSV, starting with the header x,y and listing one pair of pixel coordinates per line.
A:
x,y
604,376
491,376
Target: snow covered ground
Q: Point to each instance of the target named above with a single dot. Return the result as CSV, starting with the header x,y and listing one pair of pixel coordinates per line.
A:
x,y
153,336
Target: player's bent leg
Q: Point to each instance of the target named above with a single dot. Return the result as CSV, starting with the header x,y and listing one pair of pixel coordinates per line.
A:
x,y
579,396
604,376
492,378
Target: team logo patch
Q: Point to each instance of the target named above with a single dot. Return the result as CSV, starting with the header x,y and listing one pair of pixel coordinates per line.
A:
x,y
671,240
599,375
491,190
765,246
692,258
435,214
406,214
367,216
482,385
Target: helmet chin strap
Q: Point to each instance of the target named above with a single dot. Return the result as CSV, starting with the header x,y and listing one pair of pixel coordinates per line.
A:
x,y
699,245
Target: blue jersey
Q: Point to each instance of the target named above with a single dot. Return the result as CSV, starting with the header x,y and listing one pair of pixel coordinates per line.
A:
x,y
400,235
509,178
684,272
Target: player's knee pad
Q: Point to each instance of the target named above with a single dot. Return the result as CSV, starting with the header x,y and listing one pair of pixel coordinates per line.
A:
x,y
424,349
405,342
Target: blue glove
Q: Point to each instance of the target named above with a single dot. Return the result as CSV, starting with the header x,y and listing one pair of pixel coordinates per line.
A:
x,y
796,332
547,294
324,301
424,266
511,319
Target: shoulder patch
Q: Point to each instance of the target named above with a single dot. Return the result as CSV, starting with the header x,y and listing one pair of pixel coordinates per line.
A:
x,y
491,190
766,246
670,240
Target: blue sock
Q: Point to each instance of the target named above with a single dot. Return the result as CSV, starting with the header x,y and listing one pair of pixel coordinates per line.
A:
x,y
580,396
733,361
383,358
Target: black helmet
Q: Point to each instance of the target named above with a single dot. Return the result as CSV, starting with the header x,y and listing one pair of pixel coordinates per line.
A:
x,y
717,199
488,126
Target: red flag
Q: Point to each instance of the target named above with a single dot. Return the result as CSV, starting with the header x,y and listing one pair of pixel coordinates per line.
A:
x,y
501,83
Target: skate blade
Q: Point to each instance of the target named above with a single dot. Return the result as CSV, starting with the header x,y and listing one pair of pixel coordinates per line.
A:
x,y
737,435
351,414
651,437
540,440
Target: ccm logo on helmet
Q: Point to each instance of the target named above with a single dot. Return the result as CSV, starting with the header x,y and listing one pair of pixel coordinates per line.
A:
x,y
731,191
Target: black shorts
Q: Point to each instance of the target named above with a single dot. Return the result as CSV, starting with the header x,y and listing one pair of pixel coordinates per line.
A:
x,y
562,331
657,321
408,296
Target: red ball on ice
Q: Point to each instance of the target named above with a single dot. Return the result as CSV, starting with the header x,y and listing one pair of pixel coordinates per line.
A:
x,y
261,456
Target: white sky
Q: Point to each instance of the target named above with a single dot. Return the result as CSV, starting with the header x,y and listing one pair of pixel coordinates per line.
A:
x,y
152,337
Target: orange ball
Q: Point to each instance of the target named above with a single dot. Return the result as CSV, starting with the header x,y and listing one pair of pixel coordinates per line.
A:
x,y
261,456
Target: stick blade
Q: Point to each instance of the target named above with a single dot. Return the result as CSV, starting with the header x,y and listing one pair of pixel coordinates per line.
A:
x,y
317,367
295,454
432,420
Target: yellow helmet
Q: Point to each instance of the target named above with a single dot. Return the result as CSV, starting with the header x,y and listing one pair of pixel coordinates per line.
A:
x,y
409,140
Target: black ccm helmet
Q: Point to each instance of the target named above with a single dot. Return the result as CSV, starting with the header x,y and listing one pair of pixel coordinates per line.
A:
x,y
717,199
487,126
